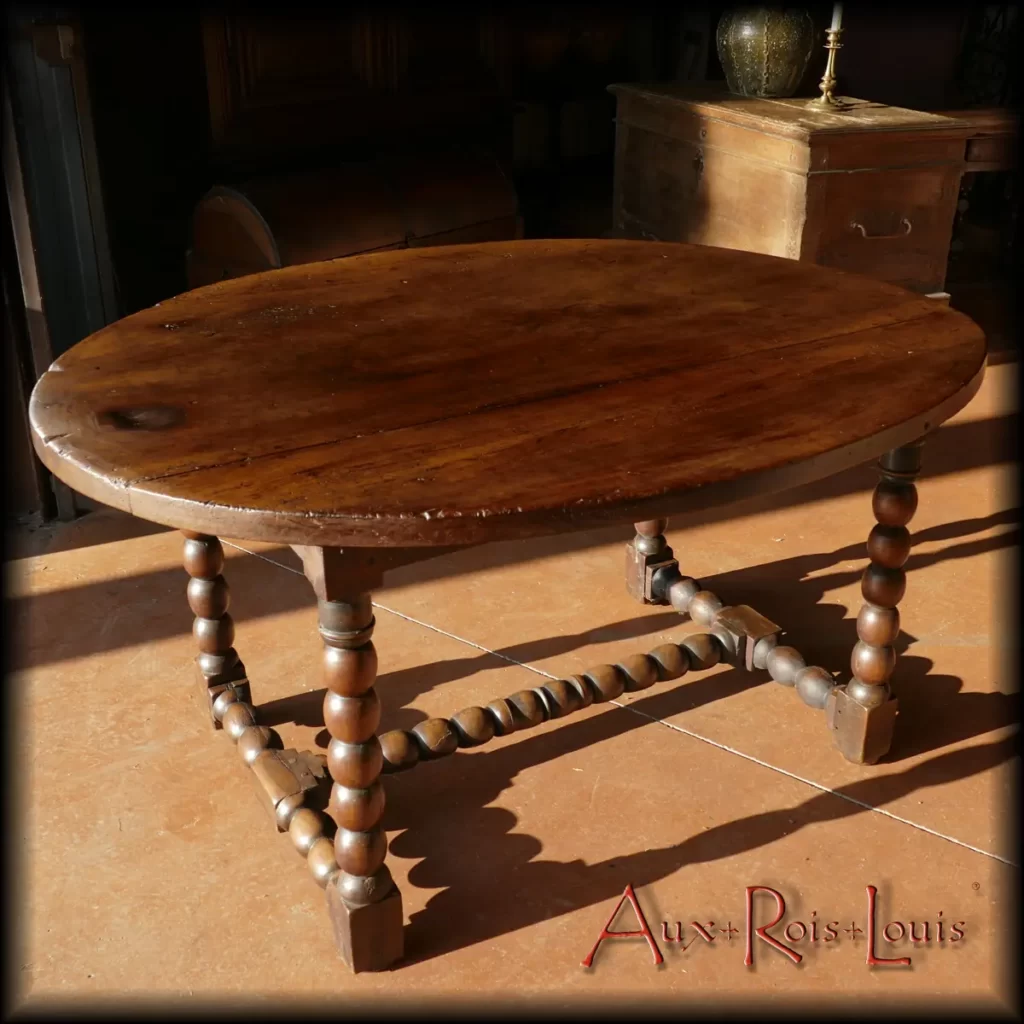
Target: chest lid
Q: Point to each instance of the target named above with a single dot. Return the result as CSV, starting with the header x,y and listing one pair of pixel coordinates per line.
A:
x,y
856,134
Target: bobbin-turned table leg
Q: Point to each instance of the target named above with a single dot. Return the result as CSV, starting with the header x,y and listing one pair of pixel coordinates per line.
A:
x,y
364,904
218,663
862,714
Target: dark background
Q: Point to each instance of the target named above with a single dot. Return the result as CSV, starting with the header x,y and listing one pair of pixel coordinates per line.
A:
x,y
123,122
529,81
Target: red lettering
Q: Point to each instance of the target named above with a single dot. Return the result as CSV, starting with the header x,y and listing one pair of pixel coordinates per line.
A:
x,y
879,961
701,933
607,933
762,932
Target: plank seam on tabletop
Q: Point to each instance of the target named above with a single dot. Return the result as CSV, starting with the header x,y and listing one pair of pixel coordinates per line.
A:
x,y
916,318
676,728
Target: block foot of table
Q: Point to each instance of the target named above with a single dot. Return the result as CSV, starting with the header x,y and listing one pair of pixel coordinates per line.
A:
x,y
645,555
861,715
364,904
368,937
861,734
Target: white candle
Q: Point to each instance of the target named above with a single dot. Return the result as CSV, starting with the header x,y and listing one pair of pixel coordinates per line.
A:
x,y
837,17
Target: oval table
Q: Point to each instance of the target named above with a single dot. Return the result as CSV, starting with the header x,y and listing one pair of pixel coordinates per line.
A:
x,y
387,408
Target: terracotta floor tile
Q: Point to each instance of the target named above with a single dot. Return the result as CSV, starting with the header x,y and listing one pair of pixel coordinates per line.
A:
x,y
953,679
150,868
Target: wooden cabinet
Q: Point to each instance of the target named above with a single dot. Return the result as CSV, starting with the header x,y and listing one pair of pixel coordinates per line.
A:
x,y
869,188
992,142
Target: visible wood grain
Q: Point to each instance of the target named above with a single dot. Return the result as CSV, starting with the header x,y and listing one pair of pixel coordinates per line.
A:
x,y
459,395
794,118
790,178
866,228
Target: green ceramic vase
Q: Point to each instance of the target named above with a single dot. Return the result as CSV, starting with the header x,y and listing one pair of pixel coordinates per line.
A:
x,y
765,50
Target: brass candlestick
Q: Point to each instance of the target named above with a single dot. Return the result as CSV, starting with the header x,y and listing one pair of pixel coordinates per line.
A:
x,y
828,81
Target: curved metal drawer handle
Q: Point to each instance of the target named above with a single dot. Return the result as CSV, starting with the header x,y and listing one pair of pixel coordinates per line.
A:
x,y
904,224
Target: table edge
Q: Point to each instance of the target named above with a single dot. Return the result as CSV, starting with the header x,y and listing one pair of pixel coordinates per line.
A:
x,y
468,531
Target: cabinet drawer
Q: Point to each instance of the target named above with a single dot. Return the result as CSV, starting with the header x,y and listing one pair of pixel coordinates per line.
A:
x,y
892,225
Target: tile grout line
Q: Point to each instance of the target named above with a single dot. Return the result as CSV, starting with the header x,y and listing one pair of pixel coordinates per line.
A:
x,y
408,618
823,788
677,728
720,746
469,643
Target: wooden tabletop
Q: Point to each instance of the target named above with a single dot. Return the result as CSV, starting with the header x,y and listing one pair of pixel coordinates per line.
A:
x,y
463,394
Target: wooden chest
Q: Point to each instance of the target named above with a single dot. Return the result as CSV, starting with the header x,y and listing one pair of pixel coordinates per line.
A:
x,y
439,198
870,188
